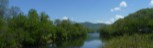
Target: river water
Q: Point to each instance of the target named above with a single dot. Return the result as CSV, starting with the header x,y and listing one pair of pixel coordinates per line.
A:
x,y
91,41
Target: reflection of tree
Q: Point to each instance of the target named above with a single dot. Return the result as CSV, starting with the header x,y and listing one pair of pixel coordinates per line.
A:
x,y
77,42
92,36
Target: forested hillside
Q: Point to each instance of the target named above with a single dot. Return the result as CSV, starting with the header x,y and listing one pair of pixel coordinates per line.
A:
x,y
135,30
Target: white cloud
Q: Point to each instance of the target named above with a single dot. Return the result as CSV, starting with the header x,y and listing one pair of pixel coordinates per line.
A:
x,y
119,16
108,22
151,2
101,21
65,18
111,20
123,4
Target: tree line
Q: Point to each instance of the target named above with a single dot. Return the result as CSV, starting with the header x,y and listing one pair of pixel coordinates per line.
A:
x,y
33,29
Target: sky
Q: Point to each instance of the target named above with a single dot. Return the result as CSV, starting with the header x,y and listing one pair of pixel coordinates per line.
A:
x,y
95,11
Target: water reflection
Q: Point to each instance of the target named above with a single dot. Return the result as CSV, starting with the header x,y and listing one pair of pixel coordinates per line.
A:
x,y
91,41
75,43
93,36
92,44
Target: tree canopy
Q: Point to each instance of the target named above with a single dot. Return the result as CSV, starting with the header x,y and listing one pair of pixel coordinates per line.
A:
x,y
33,29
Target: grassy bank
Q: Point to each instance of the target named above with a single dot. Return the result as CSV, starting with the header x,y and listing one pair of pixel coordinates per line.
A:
x,y
134,41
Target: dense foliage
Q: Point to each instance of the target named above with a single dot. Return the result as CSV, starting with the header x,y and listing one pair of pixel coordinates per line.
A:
x,y
140,22
33,29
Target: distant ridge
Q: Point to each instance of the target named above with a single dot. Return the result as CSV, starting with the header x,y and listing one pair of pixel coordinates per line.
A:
x,y
93,26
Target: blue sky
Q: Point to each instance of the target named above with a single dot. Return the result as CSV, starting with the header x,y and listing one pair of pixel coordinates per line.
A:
x,y
96,11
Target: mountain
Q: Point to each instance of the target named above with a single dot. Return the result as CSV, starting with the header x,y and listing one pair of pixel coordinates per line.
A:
x,y
134,30
139,22
93,26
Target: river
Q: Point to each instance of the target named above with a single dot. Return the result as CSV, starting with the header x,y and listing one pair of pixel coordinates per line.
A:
x,y
91,41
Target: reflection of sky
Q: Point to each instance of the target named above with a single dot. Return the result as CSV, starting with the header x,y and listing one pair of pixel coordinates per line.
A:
x,y
93,41
93,36
92,44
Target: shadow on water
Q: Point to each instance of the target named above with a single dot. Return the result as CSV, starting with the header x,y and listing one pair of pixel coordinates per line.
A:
x,y
92,40
74,43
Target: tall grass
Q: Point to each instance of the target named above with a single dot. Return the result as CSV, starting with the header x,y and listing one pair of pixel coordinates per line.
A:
x,y
134,41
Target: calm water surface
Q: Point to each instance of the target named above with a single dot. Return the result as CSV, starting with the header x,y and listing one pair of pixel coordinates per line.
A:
x,y
92,41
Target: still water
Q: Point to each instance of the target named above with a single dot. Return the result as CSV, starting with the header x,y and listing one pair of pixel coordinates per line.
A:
x,y
91,41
